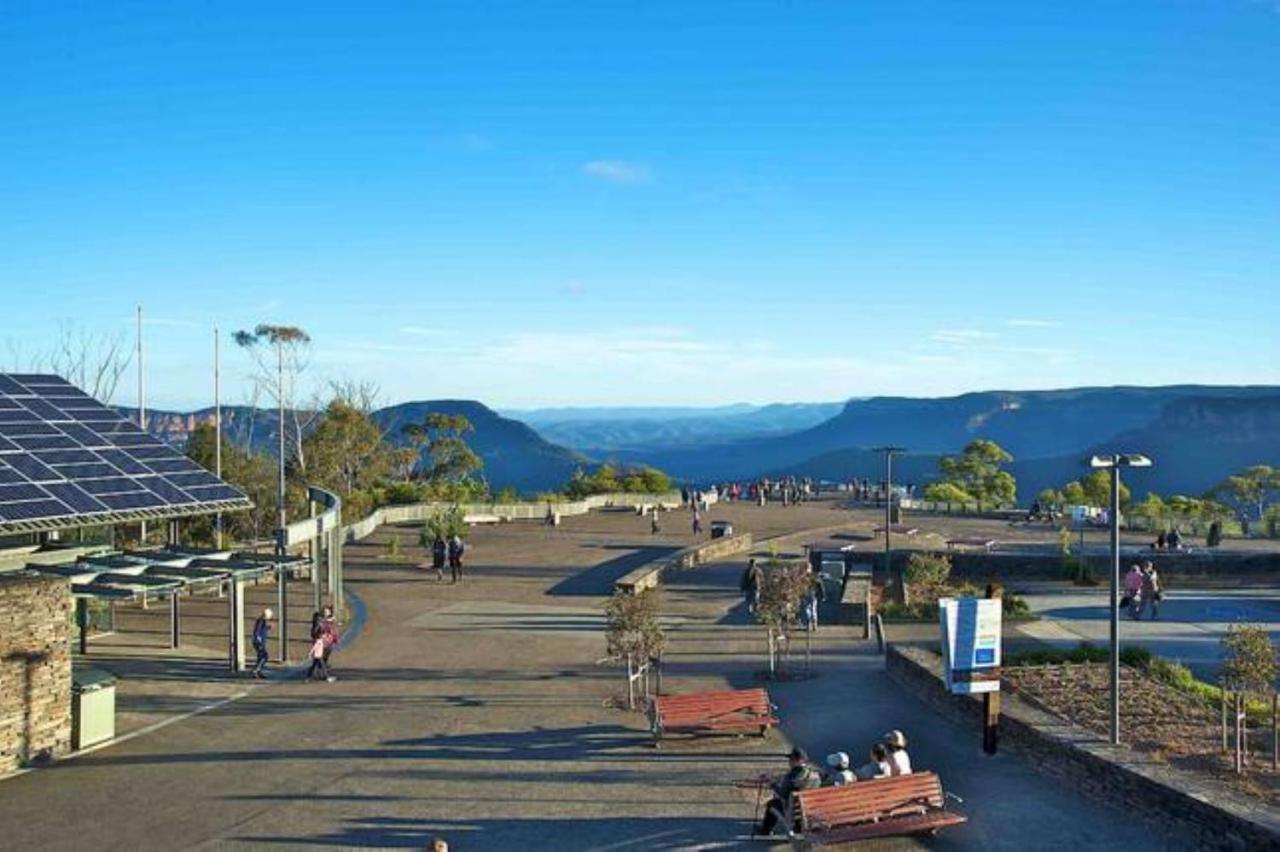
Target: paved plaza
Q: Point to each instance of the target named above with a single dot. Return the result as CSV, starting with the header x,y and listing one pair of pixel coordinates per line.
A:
x,y
481,712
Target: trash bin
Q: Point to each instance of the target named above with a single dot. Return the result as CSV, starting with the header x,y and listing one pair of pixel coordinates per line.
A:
x,y
93,707
721,529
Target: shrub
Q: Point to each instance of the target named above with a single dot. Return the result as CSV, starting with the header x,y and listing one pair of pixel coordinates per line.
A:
x,y
927,574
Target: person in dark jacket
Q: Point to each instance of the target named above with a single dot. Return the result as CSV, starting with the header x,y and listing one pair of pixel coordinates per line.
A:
x,y
261,633
438,551
801,776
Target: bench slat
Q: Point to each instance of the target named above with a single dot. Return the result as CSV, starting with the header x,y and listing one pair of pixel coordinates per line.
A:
x,y
904,804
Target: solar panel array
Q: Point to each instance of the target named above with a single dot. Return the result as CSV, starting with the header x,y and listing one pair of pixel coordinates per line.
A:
x,y
65,456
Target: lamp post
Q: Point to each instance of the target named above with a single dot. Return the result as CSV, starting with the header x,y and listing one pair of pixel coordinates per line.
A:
x,y
889,453
1113,463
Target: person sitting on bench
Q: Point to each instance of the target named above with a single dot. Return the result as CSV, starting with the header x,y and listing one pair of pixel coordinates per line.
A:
x,y
878,766
801,776
899,761
839,773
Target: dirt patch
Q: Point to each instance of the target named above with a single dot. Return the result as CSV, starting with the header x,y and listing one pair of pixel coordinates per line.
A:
x,y
1155,719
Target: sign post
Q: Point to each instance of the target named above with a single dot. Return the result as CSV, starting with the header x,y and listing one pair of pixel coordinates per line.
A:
x,y
971,654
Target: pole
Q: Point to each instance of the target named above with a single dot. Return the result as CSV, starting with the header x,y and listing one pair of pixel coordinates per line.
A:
x,y
217,432
142,404
1115,601
280,493
991,707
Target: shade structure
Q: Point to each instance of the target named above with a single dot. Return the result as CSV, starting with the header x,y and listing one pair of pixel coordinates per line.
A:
x,y
67,460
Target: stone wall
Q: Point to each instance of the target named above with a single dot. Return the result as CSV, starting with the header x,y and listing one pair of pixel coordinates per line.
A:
x,y
1201,564
649,575
35,669
1195,812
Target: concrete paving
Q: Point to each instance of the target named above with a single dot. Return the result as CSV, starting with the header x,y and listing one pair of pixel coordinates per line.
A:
x,y
1189,629
479,712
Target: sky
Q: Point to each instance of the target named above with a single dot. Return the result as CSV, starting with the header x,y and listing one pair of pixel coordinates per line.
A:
x,y
558,203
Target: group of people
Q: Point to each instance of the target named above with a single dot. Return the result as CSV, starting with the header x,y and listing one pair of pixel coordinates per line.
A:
x,y
1142,591
324,638
452,550
1171,540
886,758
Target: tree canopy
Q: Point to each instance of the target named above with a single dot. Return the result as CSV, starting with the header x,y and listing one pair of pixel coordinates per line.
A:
x,y
611,478
976,474
1251,490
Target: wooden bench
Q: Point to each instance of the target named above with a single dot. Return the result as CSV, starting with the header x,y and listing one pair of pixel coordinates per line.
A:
x,y
712,712
882,807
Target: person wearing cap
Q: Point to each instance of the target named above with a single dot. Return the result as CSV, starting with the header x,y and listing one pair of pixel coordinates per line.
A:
x,y
899,761
801,776
839,773
261,633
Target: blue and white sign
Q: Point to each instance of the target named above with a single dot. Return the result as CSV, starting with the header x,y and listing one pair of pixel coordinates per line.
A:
x,y
971,630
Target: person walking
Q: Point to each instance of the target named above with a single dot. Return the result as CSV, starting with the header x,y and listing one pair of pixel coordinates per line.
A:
x,y
261,633
697,523
456,550
1152,594
1133,582
438,551
329,638
752,580
316,653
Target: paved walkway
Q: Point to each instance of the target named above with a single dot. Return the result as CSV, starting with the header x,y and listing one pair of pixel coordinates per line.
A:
x,y
478,712
1189,629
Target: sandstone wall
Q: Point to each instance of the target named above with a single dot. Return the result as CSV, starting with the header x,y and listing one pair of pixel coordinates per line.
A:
x,y
35,669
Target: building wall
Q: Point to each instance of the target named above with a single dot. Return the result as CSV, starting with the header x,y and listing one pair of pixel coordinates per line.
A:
x,y
35,669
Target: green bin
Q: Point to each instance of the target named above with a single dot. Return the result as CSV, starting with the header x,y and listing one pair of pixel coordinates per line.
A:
x,y
93,707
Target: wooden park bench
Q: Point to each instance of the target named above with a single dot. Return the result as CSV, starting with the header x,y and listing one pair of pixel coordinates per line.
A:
x,y
881,807
734,710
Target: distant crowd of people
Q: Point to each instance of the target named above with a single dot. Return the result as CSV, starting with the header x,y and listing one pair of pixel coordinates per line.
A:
x,y
887,757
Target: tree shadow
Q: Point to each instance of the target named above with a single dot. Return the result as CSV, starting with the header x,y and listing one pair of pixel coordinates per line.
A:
x,y
655,832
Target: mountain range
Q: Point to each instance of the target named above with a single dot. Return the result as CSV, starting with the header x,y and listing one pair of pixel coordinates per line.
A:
x,y
1196,434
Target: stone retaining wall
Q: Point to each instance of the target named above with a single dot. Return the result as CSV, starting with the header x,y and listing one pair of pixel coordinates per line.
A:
x,y
981,567
35,669
649,575
1196,812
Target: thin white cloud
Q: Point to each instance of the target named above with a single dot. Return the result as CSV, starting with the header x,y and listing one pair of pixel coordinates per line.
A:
x,y
617,171
476,142
421,331
1033,323
962,336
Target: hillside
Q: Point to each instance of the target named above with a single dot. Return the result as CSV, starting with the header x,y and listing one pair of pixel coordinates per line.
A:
x,y
514,455
1048,425
604,432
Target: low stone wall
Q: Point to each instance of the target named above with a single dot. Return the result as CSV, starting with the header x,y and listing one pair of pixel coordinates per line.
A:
x,y
35,669
1197,812
649,575
1206,564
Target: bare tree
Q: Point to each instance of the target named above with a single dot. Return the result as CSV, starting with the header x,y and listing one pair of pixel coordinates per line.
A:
x,y
92,361
281,354
360,394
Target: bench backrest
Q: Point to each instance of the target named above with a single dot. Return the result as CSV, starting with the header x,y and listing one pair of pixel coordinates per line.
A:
x,y
862,801
753,699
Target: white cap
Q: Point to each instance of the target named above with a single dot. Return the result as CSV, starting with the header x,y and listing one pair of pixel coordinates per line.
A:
x,y
896,739
267,613
838,760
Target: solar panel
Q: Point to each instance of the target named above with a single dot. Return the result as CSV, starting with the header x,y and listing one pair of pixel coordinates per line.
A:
x,y
66,459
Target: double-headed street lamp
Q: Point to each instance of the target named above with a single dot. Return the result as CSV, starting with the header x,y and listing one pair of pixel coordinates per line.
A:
x,y
1114,462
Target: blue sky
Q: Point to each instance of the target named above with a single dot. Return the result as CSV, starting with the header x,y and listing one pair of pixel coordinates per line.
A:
x,y
621,202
